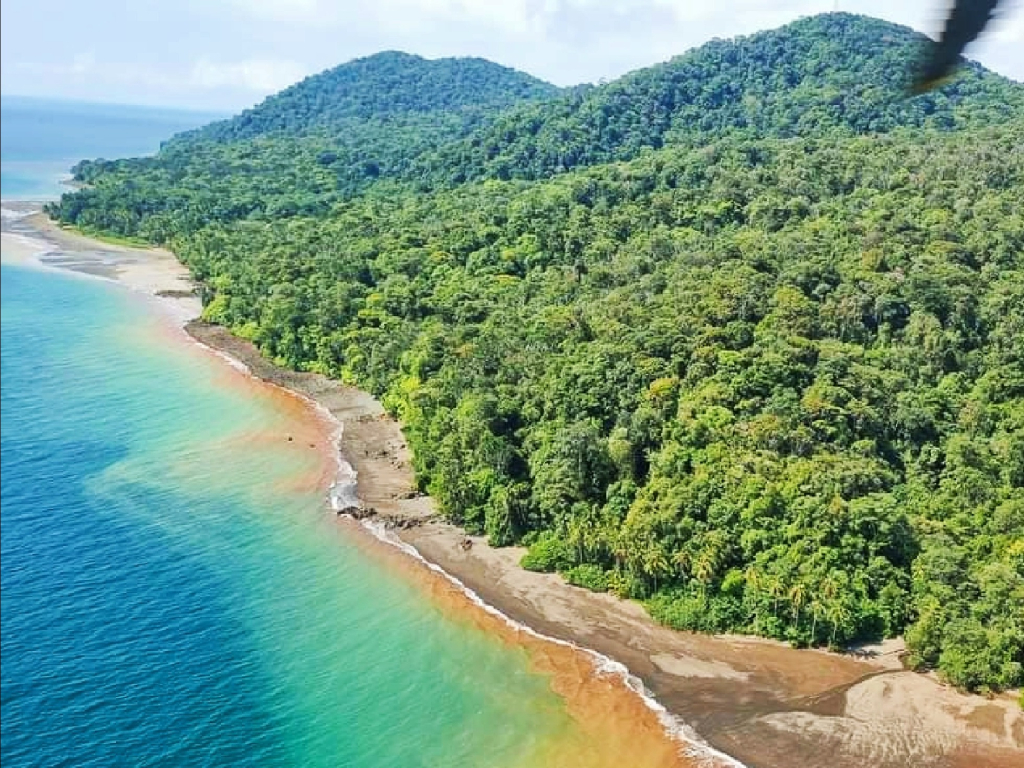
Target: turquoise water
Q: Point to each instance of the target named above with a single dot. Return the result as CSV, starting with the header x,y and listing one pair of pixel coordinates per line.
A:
x,y
173,595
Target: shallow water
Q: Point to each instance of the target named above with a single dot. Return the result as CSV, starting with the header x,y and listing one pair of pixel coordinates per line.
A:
x,y
174,591
171,597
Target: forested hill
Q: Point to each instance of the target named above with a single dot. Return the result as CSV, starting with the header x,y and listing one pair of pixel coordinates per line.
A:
x,y
825,74
321,140
766,376
386,85
438,123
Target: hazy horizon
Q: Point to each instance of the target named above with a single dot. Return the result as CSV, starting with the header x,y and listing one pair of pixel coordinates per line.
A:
x,y
212,113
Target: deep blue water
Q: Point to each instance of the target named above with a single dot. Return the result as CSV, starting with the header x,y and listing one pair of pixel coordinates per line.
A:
x,y
171,596
42,139
102,623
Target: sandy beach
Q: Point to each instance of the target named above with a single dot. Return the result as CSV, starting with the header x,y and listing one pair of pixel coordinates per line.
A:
x,y
762,702
29,236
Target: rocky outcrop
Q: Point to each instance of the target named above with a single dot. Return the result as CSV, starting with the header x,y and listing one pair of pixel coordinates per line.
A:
x,y
397,522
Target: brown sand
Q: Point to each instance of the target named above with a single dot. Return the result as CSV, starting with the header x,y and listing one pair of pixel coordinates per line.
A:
x,y
764,703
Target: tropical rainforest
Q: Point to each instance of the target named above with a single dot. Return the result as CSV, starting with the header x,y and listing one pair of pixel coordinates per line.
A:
x,y
740,335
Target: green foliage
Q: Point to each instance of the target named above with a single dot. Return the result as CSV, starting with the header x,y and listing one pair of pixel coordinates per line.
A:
x,y
763,372
832,73
969,622
626,585
389,84
588,576
696,612
548,553
974,659
301,150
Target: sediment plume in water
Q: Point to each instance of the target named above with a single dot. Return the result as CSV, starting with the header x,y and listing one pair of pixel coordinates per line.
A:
x,y
618,722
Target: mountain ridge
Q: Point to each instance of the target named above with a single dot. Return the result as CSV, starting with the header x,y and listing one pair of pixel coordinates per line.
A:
x,y
831,73
836,71
386,84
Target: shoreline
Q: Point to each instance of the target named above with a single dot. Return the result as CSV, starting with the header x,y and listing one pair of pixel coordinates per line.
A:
x,y
33,238
760,701
612,722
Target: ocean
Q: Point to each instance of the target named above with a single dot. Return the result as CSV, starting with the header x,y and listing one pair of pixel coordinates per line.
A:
x,y
37,149
174,591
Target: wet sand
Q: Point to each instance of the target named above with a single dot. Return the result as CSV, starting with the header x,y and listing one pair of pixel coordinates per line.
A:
x,y
764,703
33,238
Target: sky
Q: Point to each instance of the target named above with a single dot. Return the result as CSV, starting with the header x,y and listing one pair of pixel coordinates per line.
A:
x,y
225,55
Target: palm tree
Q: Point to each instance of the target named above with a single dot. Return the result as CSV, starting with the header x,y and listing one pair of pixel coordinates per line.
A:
x,y
829,586
707,563
575,533
776,590
716,542
754,581
797,595
837,614
627,548
704,569
604,537
753,578
656,563
816,610
681,558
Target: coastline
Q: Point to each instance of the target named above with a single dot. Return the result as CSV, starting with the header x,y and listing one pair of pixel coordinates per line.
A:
x,y
760,701
35,239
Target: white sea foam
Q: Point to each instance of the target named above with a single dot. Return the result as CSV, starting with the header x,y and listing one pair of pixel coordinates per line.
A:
x,y
343,494
691,744
9,214
231,360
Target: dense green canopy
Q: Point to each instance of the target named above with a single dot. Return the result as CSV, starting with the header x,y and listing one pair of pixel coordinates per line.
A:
x,y
389,84
763,371
835,73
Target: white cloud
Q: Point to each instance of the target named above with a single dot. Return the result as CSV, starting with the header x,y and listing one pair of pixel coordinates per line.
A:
x,y
1010,29
291,11
511,17
260,75
82,65
231,52
205,83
